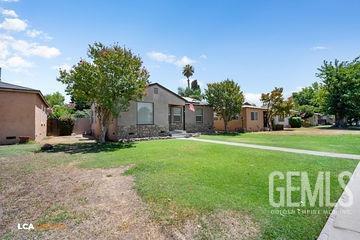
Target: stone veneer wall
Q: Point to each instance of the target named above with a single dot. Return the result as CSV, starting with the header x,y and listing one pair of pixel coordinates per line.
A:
x,y
198,127
176,126
140,131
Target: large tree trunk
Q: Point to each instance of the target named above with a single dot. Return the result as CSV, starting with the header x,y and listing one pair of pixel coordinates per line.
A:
x,y
188,82
340,121
103,131
225,125
103,116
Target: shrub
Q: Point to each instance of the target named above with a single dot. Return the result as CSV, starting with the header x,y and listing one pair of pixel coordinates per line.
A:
x,y
295,122
305,123
66,126
278,127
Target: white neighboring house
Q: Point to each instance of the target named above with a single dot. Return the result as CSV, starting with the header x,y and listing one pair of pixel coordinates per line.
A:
x,y
282,121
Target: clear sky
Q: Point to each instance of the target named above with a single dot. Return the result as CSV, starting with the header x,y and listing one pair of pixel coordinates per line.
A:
x,y
259,44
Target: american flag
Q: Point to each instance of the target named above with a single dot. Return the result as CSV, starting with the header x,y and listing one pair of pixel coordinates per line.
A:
x,y
191,107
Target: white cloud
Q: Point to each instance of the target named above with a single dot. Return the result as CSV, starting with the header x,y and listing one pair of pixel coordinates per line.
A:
x,y
161,57
15,63
9,13
318,48
168,58
9,0
16,52
18,62
34,49
203,56
45,51
33,33
253,98
184,61
13,24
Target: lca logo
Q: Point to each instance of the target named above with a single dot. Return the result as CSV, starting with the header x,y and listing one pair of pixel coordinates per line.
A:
x,y
25,226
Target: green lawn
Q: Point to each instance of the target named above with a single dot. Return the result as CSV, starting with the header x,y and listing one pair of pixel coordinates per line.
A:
x,y
345,143
180,179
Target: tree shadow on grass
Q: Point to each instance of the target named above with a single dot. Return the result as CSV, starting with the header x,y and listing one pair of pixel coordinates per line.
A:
x,y
89,147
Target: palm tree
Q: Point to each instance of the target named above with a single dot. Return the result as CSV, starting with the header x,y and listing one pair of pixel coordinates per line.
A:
x,y
188,71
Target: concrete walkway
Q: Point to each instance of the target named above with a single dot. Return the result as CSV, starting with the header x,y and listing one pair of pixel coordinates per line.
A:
x,y
344,221
281,149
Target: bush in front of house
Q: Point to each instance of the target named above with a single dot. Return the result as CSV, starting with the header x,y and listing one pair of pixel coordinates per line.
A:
x,y
295,122
66,126
278,127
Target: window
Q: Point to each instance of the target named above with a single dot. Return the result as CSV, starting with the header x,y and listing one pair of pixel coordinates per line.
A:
x,y
199,115
145,113
156,90
281,118
176,114
254,116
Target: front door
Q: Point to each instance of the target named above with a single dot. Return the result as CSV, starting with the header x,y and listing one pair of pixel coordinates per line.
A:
x,y
176,118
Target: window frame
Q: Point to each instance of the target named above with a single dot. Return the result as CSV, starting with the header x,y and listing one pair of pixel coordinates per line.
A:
x,y
202,115
137,113
173,115
255,114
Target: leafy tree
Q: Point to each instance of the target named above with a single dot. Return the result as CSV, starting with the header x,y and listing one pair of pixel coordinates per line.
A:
x,y
341,97
275,105
112,78
195,85
61,112
309,100
55,98
193,92
80,104
188,71
226,98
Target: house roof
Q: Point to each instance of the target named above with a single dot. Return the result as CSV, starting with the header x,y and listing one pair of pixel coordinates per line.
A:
x,y
255,107
12,87
195,101
177,95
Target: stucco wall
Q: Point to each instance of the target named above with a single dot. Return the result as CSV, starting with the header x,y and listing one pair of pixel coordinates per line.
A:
x,y
40,118
243,121
190,121
82,125
253,125
127,122
21,115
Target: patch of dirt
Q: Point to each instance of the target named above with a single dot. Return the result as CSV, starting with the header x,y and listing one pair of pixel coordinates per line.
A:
x,y
229,225
66,139
67,202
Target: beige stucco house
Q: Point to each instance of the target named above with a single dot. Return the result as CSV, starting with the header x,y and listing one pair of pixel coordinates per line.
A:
x,y
23,112
157,113
250,119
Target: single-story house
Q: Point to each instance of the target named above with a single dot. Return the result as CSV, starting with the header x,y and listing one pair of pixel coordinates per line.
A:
x,y
23,112
282,120
250,119
157,113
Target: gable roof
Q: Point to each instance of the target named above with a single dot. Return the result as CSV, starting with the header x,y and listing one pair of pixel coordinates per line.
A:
x,y
12,87
187,100
195,101
177,95
4,85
